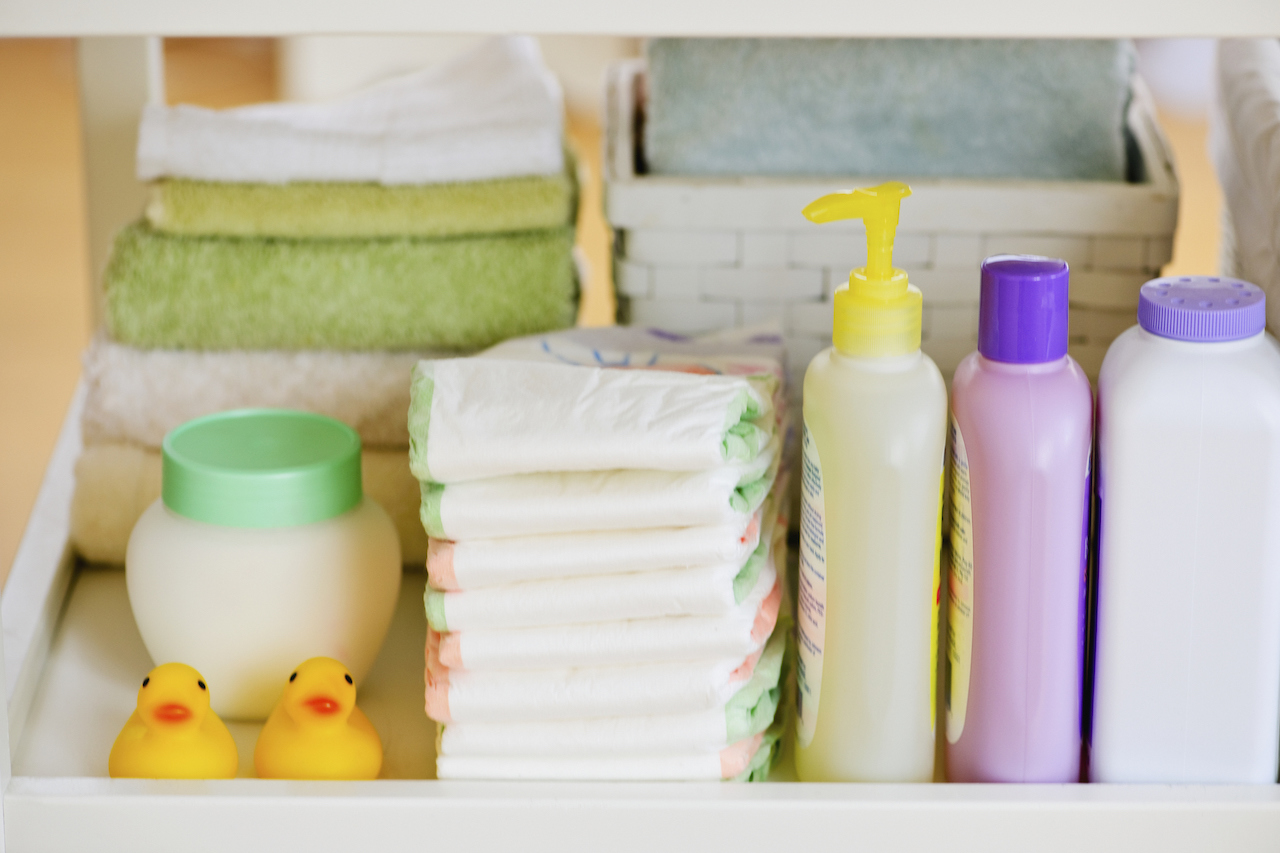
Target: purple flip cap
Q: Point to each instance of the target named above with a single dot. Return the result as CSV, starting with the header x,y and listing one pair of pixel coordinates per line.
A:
x,y
1202,308
1022,313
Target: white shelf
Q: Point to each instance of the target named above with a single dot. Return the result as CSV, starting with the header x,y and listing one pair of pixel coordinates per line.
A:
x,y
981,18
72,681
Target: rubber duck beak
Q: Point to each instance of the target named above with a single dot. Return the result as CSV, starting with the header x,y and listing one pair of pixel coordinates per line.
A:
x,y
323,705
172,712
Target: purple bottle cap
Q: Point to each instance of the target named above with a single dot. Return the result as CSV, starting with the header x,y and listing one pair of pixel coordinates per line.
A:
x,y
1202,308
1022,315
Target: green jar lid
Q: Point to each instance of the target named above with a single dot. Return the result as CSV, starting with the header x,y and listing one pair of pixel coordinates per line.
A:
x,y
261,468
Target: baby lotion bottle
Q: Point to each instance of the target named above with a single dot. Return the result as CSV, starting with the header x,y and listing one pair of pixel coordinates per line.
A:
x,y
1021,436
1187,680
875,413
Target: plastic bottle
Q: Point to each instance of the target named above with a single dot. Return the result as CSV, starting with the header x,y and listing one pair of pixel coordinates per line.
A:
x,y
1021,441
1187,684
875,412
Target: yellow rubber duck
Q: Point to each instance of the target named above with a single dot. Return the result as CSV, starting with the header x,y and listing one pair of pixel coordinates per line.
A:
x,y
172,734
316,731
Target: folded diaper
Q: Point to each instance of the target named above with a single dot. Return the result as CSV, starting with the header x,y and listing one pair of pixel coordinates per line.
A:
x,y
494,112
480,563
477,418
1048,109
532,504
115,483
570,695
748,712
729,352
310,209
135,396
746,761
584,692
396,293
666,639
711,590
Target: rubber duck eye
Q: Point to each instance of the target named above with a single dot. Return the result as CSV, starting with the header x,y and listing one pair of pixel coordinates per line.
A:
x,y
146,681
348,678
201,683
292,677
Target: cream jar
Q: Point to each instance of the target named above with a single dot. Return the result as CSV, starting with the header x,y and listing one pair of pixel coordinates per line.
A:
x,y
262,552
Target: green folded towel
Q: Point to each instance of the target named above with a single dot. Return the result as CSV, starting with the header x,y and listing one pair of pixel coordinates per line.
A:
x,y
174,292
180,206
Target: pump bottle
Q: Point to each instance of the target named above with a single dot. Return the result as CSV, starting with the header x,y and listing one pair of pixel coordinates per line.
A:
x,y
875,415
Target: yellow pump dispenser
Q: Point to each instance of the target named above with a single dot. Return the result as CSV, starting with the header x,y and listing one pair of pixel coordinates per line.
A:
x,y
875,423
878,314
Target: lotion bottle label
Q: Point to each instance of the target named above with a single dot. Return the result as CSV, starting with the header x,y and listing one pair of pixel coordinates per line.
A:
x,y
960,588
812,609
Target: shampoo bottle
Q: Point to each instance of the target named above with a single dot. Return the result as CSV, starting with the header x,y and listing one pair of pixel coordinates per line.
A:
x,y
875,413
1021,436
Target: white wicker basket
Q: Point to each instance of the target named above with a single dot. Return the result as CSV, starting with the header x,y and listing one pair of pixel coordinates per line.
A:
x,y
694,254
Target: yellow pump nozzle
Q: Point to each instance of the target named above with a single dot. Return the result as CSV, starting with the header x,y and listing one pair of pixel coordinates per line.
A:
x,y
878,314
878,208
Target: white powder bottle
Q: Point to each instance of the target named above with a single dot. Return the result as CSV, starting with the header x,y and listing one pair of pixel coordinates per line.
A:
x,y
1187,685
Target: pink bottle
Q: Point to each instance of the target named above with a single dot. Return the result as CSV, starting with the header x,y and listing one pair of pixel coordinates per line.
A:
x,y
1021,430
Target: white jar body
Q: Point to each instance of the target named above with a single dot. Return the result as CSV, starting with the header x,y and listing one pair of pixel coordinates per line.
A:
x,y
875,431
1187,681
245,606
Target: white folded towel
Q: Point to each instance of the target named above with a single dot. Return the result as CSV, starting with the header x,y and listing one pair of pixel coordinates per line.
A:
x,y
136,396
575,502
115,483
715,590
478,418
494,112
480,563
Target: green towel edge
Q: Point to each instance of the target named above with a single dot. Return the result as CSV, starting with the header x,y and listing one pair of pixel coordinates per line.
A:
x,y
150,274
376,203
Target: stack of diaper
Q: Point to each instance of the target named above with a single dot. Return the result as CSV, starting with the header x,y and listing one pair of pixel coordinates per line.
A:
x,y
307,255
606,565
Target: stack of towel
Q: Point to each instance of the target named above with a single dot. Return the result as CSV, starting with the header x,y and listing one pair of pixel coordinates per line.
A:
x,y
606,564
432,211
307,255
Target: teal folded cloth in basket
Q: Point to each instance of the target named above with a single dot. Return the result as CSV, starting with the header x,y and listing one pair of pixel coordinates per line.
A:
x,y
961,108
212,293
